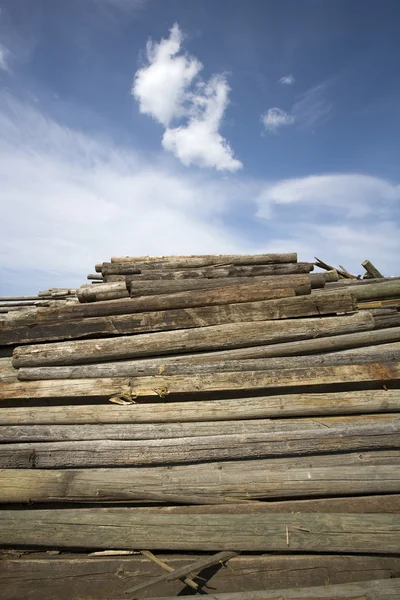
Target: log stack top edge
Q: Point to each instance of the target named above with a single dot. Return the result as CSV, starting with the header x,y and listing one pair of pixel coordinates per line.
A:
x,y
210,259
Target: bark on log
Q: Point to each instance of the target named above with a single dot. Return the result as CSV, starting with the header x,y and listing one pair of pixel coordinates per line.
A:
x,y
290,405
385,353
139,273
45,577
177,262
110,453
129,528
216,337
388,589
182,318
210,483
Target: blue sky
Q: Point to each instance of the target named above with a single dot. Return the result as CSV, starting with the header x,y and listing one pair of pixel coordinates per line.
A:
x,y
177,126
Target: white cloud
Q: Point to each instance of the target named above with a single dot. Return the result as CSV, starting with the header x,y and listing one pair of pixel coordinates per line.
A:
x,y
287,80
275,118
199,142
161,87
350,194
164,89
4,53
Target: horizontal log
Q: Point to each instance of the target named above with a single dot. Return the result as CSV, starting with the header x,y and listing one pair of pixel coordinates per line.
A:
x,y
177,262
139,272
109,453
182,318
388,589
95,276
45,577
290,405
376,291
159,386
210,483
385,353
186,340
155,431
130,528
103,291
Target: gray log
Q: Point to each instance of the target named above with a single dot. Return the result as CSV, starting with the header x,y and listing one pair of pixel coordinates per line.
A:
x,y
138,273
177,262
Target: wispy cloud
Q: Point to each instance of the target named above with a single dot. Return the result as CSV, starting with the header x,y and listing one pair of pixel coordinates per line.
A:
x,y
4,57
276,118
165,90
312,108
287,80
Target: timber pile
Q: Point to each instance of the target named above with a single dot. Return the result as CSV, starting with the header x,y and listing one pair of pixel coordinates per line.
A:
x,y
208,424
53,297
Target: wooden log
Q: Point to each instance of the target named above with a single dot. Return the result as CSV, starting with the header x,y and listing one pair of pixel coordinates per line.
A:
x,y
130,528
388,589
95,276
336,403
156,431
112,453
371,269
42,576
138,273
182,318
103,291
7,372
209,483
385,353
216,337
178,262
376,291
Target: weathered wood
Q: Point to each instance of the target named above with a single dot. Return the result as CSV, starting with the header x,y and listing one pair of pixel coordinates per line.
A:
x,y
204,260
182,318
7,372
95,276
97,453
130,528
216,337
385,353
388,589
335,403
168,568
103,291
153,431
138,273
210,483
45,577
159,386
375,291
371,269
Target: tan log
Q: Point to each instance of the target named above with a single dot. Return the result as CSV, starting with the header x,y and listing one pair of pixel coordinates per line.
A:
x,y
176,262
153,529
371,269
174,342
103,291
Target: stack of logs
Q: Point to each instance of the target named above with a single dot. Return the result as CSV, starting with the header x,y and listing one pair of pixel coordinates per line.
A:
x,y
52,297
239,415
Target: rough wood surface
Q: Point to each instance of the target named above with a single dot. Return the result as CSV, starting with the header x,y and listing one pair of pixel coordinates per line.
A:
x,y
108,453
7,372
376,291
139,274
388,589
385,353
45,577
216,337
221,482
371,269
103,291
182,318
159,386
135,529
204,260
289,405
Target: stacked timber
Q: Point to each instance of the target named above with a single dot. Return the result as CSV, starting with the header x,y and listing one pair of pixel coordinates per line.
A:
x,y
52,297
194,413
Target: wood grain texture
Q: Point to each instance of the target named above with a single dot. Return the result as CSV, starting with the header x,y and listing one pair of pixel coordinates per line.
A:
x,y
244,531
216,337
138,273
45,577
204,260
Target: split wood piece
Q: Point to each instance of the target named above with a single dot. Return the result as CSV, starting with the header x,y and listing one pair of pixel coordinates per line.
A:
x,y
190,569
7,372
323,265
41,576
157,431
292,405
134,274
109,453
387,589
217,337
347,273
211,483
205,260
183,318
103,291
237,531
385,353
371,269
166,567
161,387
